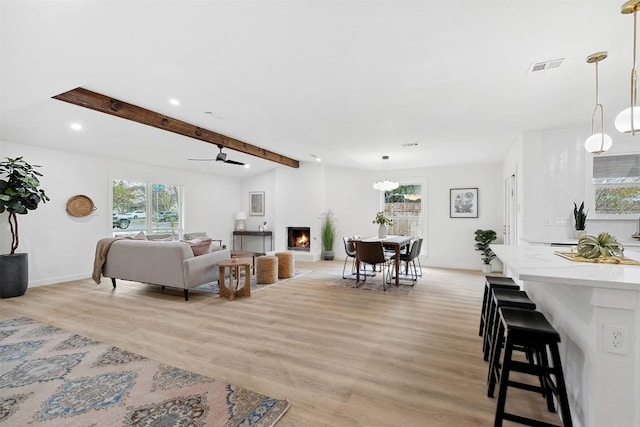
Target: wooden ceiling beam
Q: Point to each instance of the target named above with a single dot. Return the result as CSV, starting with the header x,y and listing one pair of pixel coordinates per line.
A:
x,y
105,104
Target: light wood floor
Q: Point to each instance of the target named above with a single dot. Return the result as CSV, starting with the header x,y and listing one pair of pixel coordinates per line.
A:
x,y
341,356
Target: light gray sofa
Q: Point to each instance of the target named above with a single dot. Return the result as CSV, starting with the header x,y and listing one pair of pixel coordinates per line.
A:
x,y
161,263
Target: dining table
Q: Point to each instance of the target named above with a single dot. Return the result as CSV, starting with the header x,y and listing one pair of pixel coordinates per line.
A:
x,y
394,242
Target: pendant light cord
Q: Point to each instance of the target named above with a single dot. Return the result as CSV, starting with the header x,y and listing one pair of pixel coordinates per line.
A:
x,y
634,78
595,109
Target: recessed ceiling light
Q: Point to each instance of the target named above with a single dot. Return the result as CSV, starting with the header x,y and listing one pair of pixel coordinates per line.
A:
x,y
318,159
247,165
76,126
174,101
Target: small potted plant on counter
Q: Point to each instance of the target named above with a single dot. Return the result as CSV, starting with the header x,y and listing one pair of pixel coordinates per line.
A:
x,y
580,217
483,240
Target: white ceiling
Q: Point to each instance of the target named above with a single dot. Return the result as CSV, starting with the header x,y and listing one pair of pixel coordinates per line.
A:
x,y
348,81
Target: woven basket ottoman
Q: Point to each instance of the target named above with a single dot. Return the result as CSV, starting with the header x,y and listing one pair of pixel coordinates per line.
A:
x,y
267,269
286,265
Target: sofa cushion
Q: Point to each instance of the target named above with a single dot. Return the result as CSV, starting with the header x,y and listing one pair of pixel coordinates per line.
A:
x,y
200,246
140,236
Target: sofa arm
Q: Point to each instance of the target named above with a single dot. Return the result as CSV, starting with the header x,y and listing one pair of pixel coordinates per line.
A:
x,y
203,268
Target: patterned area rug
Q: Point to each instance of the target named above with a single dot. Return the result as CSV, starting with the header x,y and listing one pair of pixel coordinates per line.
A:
x,y
374,284
213,286
52,377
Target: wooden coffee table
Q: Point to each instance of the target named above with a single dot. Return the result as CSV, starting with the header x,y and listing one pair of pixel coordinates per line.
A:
x,y
232,290
246,254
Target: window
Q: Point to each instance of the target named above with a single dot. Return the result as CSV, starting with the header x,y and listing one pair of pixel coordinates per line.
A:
x,y
149,207
616,183
404,206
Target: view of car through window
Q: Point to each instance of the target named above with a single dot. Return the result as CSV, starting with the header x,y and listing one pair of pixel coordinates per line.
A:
x,y
148,207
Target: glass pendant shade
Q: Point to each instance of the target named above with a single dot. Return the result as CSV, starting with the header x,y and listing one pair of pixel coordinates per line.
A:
x,y
386,185
598,143
628,121
623,121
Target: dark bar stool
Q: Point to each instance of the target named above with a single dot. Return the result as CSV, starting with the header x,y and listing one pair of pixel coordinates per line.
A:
x,y
528,329
491,282
502,298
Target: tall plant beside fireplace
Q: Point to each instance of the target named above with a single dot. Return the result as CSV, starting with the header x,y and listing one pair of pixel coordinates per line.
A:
x,y
328,234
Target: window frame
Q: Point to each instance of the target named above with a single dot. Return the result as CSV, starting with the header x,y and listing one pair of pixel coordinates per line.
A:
x,y
590,188
422,217
148,229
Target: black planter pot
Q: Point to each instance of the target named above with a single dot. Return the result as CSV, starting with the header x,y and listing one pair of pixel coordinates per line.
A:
x,y
14,275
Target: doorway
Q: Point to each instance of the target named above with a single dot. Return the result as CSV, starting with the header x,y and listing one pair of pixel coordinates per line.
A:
x,y
510,212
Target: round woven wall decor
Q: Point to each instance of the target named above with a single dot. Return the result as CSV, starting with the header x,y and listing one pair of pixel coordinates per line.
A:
x,y
80,205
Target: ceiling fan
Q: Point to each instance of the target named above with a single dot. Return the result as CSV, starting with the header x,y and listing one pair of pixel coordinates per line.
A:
x,y
221,157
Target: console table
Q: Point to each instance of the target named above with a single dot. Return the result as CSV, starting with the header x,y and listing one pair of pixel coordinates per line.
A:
x,y
263,234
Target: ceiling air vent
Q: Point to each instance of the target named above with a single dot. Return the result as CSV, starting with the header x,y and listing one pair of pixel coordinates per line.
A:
x,y
546,65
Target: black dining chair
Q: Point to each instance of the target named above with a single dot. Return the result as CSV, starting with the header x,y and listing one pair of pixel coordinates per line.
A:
x,y
409,261
372,253
350,250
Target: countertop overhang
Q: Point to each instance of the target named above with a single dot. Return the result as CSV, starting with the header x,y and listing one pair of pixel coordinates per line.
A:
x,y
541,264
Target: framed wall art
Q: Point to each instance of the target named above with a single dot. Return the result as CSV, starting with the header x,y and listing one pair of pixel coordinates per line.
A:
x,y
463,203
256,203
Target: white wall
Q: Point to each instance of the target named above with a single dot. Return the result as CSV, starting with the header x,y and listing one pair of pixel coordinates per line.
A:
x,y
450,241
297,197
552,167
62,247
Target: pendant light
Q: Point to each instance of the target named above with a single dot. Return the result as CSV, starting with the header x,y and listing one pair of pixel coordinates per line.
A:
x,y
598,142
628,121
386,184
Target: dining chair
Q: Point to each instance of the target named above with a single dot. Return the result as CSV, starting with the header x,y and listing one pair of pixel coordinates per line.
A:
x,y
409,261
421,240
350,250
372,253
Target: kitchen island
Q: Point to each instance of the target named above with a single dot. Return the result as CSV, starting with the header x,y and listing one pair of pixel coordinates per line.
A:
x,y
596,310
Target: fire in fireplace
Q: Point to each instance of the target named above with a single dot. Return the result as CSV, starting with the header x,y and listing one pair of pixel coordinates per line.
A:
x,y
299,238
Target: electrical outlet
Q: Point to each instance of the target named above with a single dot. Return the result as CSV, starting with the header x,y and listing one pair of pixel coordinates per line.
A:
x,y
615,339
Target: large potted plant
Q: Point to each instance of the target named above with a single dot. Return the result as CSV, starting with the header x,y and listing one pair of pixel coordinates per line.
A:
x,y
328,234
483,240
383,221
19,193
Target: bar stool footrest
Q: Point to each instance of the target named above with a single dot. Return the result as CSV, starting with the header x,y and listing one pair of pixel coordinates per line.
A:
x,y
527,421
528,387
528,368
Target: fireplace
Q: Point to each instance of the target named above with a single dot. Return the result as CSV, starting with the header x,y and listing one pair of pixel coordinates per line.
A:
x,y
299,238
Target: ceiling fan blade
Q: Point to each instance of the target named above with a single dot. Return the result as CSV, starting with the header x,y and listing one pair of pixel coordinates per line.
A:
x,y
202,160
233,162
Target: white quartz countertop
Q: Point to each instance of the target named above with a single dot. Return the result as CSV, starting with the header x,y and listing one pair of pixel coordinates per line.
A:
x,y
574,242
541,264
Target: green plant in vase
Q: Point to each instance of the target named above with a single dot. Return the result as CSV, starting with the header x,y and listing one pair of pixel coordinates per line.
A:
x,y
328,234
383,221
